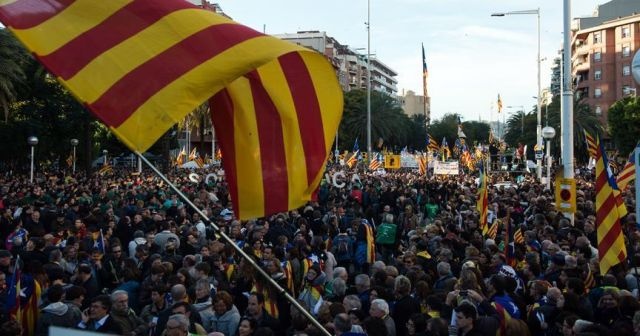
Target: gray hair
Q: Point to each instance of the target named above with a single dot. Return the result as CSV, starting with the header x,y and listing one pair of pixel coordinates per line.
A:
x,y
116,293
351,302
444,268
181,319
339,286
381,305
202,283
363,279
402,285
337,272
388,218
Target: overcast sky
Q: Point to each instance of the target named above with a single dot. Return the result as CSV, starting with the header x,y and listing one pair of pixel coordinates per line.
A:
x,y
471,56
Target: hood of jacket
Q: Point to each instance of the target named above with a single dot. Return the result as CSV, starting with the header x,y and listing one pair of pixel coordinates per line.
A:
x,y
56,308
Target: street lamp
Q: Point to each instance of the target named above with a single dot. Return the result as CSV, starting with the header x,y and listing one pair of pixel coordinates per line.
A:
x,y
539,96
32,141
548,133
74,144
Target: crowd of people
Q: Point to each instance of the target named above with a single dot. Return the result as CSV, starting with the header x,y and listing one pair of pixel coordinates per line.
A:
x,y
388,253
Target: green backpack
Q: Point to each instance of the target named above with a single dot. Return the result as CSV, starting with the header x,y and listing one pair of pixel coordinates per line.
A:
x,y
386,234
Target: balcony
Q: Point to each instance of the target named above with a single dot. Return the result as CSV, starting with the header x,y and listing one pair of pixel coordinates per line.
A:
x,y
580,66
582,50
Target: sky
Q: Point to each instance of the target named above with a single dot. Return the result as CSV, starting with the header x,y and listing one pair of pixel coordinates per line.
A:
x,y
471,56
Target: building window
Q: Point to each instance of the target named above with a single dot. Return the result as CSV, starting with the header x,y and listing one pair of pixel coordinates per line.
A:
x,y
625,31
627,90
597,93
597,56
626,70
626,50
597,37
597,75
598,110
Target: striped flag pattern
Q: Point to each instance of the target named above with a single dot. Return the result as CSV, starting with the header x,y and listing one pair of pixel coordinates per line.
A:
x,y
628,173
193,155
518,237
592,147
433,144
180,158
141,66
609,210
376,162
483,203
493,230
422,164
353,159
371,243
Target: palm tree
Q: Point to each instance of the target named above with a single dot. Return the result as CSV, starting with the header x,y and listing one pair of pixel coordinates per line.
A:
x,y
388,122
524,131
12,60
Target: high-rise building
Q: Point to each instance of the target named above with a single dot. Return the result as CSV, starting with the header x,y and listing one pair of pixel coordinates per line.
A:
x,y
350,65
602,48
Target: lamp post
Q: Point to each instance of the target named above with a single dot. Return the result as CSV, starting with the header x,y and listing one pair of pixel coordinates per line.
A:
x,y
539,96
32,141
548,133
74,144
105,152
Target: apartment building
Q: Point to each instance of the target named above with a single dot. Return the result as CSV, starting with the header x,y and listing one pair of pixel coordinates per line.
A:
x,y
603,47
350,64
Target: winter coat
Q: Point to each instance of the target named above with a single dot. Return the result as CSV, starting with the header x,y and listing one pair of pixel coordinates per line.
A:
x,y
226,323
56,314
129,322
205,310
313,291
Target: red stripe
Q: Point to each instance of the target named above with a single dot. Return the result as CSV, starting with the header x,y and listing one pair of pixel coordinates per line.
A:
x,y
24,14
222,112
136,87
308,109
272,154
608,240
128,21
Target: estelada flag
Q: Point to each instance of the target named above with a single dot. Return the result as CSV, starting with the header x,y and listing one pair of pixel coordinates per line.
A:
x,y
141,66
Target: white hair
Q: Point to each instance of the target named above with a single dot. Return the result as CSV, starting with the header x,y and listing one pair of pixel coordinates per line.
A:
x,y
381,305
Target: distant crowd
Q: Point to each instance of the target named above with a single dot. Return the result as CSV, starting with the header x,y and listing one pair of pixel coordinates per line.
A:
x,y
389,253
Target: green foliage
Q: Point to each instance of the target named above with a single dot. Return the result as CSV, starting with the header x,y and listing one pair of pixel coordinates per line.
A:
x,y
583,119
624,123
12,60
387,121
447,127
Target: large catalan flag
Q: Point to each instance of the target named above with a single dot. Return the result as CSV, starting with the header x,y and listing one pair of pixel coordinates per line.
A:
x,y
433,144
592,147
483,203
23,299
422,164
628,173
609,210
141,66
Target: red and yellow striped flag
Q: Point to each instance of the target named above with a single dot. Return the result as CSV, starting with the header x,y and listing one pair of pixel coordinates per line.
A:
x,y
422,164
483,203
141,66
628,173
592,147
493,230
609,210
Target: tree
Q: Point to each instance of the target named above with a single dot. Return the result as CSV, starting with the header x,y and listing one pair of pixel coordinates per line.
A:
x,y
388,122
12,60
624,123
447,127
583,119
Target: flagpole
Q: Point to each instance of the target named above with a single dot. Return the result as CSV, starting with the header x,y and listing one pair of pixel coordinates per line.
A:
x,y
228,240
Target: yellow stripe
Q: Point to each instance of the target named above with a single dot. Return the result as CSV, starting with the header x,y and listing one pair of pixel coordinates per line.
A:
x,y
174,101
6,2
330,99
52,34
278,88
105,70
247,147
